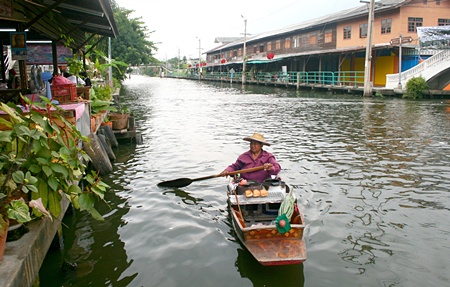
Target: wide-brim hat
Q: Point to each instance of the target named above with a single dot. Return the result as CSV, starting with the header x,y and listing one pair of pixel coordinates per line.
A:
x,y
257,137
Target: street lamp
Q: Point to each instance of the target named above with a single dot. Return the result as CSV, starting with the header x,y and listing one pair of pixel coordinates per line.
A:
x,y
245,51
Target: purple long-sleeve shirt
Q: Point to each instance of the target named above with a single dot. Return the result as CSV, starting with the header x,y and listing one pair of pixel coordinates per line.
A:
x,y
246,160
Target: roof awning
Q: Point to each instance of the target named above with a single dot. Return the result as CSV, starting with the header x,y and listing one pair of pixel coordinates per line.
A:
x,y
62,21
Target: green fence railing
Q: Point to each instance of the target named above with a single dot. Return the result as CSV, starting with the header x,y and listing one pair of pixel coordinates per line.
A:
x,y
344,78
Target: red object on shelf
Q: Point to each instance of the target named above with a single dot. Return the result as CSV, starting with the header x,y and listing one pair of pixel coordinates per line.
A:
x,y
270,56
64,93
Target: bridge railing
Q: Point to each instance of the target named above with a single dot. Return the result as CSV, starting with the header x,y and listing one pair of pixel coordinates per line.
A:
x,y
392,80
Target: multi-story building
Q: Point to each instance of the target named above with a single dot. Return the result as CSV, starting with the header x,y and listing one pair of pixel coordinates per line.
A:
x,y
337,42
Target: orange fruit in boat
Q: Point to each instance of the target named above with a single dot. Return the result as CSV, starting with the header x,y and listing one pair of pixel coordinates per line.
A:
x,y
256,193
248,193
264,192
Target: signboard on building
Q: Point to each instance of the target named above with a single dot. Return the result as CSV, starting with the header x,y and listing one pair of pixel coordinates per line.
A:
x,y
19,45
41,54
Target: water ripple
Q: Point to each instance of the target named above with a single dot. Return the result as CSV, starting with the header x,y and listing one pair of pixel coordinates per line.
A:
x,y
372,177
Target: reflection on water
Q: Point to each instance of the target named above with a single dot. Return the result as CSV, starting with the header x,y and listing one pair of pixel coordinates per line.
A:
x,y
372,177
261,276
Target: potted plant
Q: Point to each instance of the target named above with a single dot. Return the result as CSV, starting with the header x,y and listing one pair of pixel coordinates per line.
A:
x,y
119,118
41,161
75,65
107,122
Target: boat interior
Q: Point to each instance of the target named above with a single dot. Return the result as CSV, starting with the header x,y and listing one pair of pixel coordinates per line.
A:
x,y
262,214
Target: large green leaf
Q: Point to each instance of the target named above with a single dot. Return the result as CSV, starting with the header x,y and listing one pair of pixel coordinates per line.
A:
x,y
96,214
86,202
54,203
47,170
56,167
35,168
5,136
53,183
74,189
18,176
19,211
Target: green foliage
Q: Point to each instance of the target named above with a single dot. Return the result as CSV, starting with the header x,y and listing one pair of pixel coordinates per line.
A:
x,y
40,155
102,92
75,65
415,88
101,99
130,48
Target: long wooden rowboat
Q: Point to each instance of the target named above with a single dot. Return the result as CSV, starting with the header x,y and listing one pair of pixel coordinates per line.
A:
x,y
254,221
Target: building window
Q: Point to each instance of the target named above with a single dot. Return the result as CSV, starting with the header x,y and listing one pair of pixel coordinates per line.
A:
x,y
239,52
287,43
269,46
443,22
386,25
312,40
438,2
328,36
255,49
261,48
304,42
278,45
231,54
413,23
296,42
363,30
348,32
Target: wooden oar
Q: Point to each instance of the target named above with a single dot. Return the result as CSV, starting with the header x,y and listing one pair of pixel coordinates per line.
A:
x,y
180,182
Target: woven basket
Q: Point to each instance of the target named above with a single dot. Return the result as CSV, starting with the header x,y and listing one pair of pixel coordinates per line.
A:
x,y
119,121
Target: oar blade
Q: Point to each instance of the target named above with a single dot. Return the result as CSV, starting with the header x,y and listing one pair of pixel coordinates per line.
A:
x,y
181,182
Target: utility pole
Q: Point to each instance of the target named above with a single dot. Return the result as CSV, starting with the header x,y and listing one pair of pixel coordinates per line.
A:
x,y
400,63
245,51
199,58
368,66
110,78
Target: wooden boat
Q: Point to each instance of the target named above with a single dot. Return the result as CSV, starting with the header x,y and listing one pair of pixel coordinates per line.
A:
x,y
255,221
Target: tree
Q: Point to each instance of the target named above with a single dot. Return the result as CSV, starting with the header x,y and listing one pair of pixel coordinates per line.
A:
x,y
131,45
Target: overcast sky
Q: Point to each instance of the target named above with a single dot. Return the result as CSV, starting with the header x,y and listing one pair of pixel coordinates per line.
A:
x,y
179,23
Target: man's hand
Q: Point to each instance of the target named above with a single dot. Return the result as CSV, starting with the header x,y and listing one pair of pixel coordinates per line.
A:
x,y
267,166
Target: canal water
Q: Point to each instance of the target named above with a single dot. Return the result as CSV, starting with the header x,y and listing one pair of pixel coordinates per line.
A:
x,y
371,175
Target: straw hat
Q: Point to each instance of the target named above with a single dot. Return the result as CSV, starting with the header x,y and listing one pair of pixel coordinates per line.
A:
x,y
257,137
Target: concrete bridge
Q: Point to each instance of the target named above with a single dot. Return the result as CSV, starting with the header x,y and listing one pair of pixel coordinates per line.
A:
x,y
435,70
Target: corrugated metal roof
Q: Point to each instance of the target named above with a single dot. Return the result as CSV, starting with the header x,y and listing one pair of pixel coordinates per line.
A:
x,y
347,14
50,19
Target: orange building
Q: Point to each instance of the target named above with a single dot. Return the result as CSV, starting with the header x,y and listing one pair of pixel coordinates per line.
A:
x,y
337,42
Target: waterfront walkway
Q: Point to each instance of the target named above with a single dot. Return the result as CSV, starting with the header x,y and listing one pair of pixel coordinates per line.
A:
x,y
345,82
